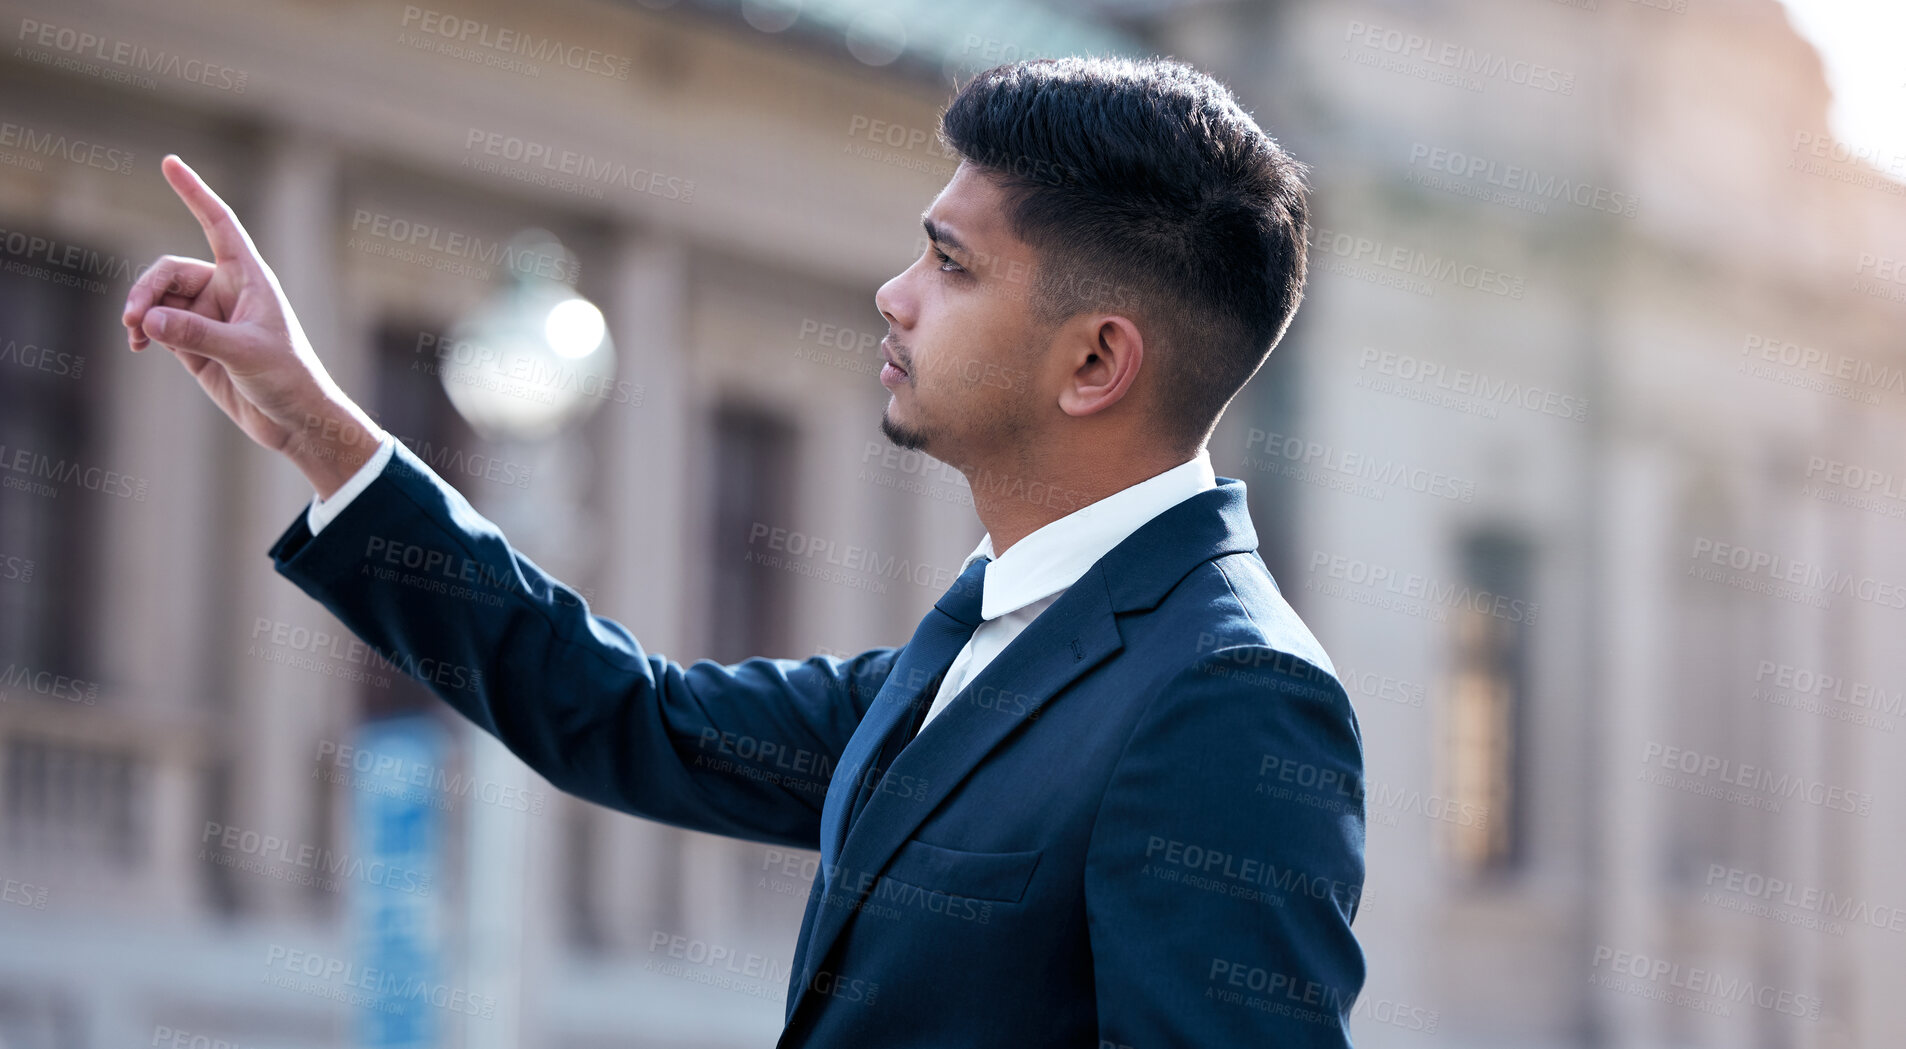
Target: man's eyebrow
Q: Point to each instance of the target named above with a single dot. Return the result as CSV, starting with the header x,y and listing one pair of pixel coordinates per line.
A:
x,y
941,235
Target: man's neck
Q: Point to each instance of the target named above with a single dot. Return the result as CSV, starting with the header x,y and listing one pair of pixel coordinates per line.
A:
x,y
1014,502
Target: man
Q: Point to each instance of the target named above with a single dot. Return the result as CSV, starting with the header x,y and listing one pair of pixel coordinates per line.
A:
x,y
1110,793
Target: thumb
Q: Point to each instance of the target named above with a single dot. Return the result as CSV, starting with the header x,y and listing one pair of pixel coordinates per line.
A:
x,y
186,330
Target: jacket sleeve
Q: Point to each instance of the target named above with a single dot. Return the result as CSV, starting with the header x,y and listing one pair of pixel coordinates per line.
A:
x,y
745,750
1226,863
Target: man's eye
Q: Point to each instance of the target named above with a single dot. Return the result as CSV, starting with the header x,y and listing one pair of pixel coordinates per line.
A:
x,y
945,260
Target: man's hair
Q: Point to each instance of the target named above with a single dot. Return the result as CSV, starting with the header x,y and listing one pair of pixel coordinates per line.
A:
x,y
1146,190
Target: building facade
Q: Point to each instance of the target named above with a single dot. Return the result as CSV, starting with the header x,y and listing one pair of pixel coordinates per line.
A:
x,y
1569,460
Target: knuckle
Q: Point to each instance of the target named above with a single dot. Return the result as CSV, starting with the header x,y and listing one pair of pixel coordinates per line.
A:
x,y
155,272
190,329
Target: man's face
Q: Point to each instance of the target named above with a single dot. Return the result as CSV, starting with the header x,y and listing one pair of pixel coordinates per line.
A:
x,y
960,331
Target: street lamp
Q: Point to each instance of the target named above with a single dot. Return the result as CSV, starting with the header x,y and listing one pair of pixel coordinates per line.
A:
x,y
527,367
536,358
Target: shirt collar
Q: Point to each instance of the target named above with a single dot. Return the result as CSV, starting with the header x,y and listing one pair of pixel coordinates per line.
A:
x,y
1055,555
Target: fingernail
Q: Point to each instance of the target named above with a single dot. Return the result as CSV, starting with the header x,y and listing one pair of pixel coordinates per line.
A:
x,y
156,321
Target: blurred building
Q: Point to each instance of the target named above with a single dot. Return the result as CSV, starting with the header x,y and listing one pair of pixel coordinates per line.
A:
x,y
1569,460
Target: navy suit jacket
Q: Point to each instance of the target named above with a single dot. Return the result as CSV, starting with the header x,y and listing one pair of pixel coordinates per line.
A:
x,y
1141,825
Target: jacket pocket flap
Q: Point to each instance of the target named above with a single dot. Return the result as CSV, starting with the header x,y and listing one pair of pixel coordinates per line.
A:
x,y
998,876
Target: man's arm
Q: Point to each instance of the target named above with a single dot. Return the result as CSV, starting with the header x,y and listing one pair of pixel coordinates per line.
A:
x,y
746,750
1227,862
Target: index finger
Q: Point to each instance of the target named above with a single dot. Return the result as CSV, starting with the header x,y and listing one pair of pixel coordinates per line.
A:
x,y
228,239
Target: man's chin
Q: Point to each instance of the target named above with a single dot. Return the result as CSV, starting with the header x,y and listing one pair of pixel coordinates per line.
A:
x,y
900,434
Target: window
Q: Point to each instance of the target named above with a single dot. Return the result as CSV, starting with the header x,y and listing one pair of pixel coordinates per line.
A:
x,y
1483,719
45,422
754,464
72,802
67,802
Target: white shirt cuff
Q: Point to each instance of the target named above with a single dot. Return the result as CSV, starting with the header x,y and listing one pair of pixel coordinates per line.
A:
x,y
323,510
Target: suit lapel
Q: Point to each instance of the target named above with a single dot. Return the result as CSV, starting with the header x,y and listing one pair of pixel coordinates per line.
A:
x,y
893,702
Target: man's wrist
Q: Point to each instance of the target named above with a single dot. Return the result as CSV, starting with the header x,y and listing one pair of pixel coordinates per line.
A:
x,y
332,445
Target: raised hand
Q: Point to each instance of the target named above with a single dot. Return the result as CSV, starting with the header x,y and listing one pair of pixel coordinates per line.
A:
x,y
228,322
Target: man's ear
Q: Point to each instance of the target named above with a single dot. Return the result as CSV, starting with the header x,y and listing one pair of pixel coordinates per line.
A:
x,y
1103,352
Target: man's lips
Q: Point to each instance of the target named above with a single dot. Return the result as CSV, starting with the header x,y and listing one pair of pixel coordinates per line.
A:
x,y
893,374
887,352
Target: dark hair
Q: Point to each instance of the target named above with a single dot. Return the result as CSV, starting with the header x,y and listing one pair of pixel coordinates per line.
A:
x,y
1148,179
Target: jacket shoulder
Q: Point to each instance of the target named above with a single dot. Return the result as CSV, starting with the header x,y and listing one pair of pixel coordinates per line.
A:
x,y
1231,605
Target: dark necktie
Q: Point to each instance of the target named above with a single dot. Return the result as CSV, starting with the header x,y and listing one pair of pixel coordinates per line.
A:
x,y
909,690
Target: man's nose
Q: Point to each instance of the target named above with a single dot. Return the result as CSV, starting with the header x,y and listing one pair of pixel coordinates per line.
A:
x,y
894,301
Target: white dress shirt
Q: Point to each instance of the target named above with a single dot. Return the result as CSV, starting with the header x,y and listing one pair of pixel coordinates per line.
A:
x,y
1020,584
1034,572
323,510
